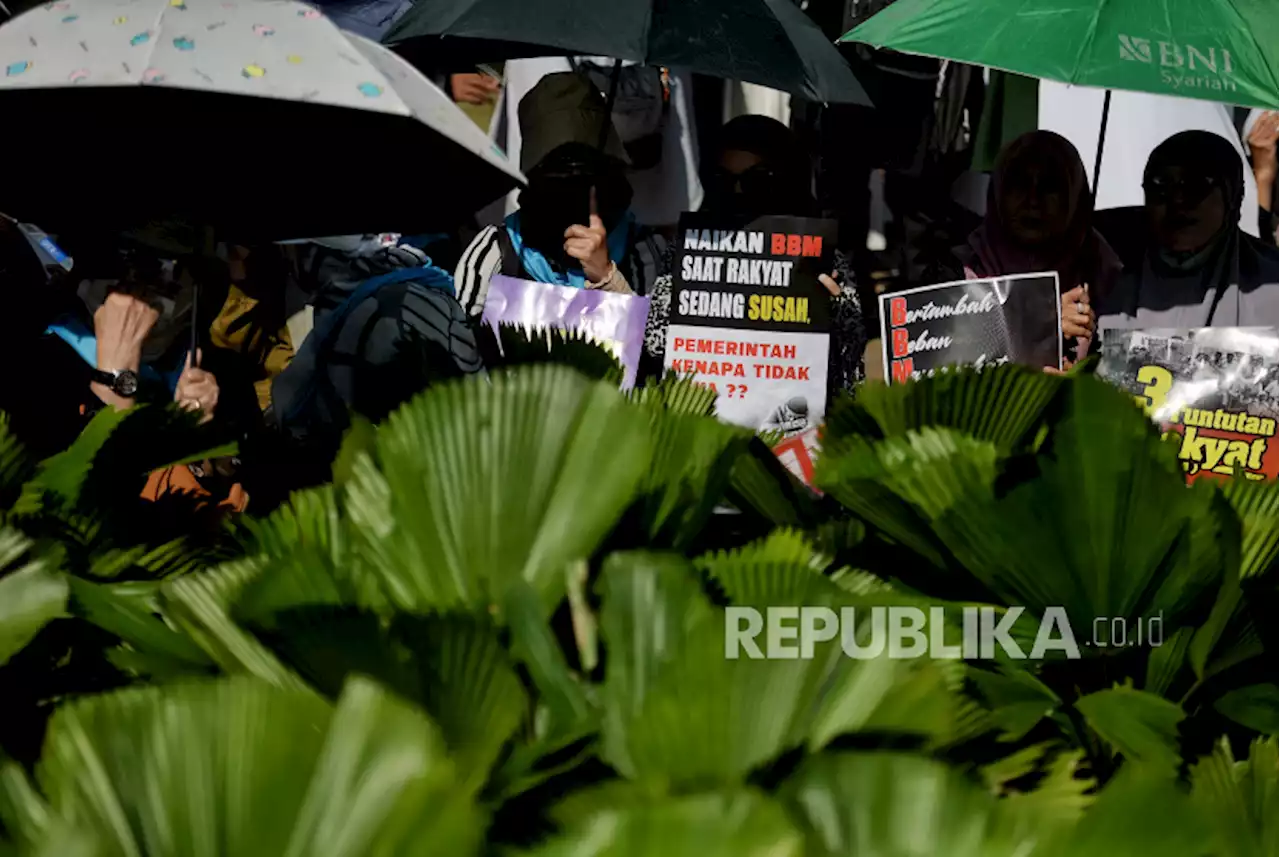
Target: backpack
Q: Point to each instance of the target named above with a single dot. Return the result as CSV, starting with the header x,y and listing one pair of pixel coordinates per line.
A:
x,y
640,107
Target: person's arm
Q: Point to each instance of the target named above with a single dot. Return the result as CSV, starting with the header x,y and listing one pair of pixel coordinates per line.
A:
x,y
1262,153
479,262
120,327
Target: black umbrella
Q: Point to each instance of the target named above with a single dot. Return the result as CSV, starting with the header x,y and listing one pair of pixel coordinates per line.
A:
x,y
769,42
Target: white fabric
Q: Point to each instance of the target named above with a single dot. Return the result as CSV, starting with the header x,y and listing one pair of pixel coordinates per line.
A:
x,y
660,193
742,99
1138,122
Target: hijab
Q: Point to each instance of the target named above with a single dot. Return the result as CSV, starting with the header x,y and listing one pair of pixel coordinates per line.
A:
x,y
1231,282
779,184
1079,256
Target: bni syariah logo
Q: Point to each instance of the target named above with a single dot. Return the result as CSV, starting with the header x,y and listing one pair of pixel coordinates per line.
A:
x,y
1135,49
1182,66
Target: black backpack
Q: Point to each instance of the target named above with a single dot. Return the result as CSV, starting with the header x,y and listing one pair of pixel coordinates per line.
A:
x,y
640,107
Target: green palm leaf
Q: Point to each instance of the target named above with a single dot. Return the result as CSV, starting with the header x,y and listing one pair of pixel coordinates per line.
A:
x,y
1141,726
1239,798
239,767
453,666
129,610
484,482
200,605
516,345
1255,706
762,485
1140,812
16,466
1258,505
898,804
1113,530
673,393
692,460
30,596
663,637
1003,405
733,824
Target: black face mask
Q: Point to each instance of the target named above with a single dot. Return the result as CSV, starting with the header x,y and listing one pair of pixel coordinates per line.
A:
x,y
549,206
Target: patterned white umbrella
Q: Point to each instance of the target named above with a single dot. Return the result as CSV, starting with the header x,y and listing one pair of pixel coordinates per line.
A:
x,y
259,117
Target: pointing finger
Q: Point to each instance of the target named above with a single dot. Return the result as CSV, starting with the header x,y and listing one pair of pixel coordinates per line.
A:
x,y
595,221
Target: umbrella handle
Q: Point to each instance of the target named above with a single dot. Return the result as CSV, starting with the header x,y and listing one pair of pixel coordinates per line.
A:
x,y
195,330
614,79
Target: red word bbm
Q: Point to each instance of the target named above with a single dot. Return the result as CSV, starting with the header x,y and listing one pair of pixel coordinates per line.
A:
x,y
782,244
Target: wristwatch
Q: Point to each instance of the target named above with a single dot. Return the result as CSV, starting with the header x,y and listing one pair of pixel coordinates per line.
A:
x,y
122,382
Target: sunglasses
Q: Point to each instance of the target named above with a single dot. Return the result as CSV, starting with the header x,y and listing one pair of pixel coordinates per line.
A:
x,y
1193,188
757,181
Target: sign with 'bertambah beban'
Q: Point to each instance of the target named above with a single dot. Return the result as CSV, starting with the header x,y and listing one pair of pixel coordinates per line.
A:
x,y
978,323
750,320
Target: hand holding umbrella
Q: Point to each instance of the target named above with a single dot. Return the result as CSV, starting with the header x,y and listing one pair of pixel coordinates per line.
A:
x,y
197,389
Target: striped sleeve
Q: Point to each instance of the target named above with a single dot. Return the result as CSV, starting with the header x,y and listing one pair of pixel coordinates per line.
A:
x,y
480,261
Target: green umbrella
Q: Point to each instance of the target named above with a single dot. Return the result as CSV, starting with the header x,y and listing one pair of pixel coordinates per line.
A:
x,y
1218,50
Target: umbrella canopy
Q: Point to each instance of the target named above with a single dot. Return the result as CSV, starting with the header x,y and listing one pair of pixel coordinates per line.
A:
x,y
1224,50
261,119
769,42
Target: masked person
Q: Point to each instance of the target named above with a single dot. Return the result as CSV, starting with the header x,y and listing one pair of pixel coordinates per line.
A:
x,y
761,169
1040,218
130,334
574,226
1197,268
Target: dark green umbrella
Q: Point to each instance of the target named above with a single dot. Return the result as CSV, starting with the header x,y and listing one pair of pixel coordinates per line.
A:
x,y
769,42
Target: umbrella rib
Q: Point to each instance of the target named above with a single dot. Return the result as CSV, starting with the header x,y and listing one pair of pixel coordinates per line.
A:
x,y
154,44
1091,37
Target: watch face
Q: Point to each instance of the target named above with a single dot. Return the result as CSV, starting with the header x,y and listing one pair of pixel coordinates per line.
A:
x,y
126,384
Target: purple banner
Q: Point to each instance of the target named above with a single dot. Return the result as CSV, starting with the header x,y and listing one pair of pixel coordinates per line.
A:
x,y
614,320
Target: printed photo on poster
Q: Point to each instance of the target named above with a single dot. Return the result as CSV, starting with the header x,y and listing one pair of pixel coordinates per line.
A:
x,y
1218,389
614,320
750,319
978,323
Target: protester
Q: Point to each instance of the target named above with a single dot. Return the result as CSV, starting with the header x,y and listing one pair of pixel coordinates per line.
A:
x,y
122,337
762,170
1197,268
574,227
1040,218
386,326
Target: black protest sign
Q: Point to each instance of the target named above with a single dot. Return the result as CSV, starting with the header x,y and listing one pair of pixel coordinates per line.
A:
x,y
750,320
763,276
1016,319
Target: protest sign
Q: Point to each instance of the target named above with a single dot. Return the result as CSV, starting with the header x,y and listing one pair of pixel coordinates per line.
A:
x,y
1216,388
1016,319
799,454
614,320
750,320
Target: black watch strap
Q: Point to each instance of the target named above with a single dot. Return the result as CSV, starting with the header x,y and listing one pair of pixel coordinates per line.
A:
x,y
123,382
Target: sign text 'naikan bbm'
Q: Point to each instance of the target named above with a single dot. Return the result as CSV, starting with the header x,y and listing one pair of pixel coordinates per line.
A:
x,y
750,319
795,633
